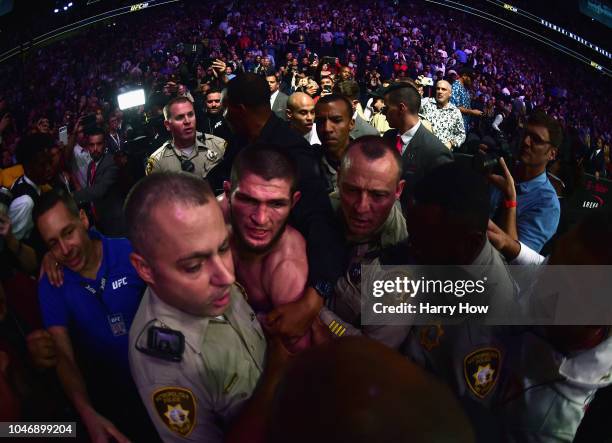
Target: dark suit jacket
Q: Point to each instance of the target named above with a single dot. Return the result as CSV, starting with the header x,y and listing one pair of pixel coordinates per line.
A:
x,y
279,107
105,194
424,153
111,144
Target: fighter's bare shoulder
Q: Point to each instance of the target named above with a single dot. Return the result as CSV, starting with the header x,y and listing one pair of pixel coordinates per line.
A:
x,y
287,266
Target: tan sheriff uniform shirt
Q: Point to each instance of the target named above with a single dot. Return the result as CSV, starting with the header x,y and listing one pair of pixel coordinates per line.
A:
x,y
342,314
196,398
208,153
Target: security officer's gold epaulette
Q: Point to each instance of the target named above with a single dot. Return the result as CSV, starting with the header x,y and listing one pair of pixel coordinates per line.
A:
x,y
336,328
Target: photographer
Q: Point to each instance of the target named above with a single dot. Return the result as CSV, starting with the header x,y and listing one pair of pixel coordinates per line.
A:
x,y
529,211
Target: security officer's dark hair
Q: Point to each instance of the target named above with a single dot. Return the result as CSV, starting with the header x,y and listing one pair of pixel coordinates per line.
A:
x,y
172,102
248,89
31,146
348,89
156,189
372,147
460,191
49,199
404,93
335,98
266,161
540,118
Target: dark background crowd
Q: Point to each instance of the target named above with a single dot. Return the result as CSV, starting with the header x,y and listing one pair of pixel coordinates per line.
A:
x,y
378,42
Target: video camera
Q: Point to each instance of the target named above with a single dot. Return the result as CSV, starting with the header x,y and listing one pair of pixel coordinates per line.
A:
x,y
484,153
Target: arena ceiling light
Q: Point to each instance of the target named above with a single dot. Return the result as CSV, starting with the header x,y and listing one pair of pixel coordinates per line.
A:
x,y
60,7
131,99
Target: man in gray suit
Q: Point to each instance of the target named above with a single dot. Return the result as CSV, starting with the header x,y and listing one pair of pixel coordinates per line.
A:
x,y
350,90
278,100
102,192
421,151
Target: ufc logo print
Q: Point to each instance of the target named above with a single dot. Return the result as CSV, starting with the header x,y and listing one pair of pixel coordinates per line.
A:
x,y
121,282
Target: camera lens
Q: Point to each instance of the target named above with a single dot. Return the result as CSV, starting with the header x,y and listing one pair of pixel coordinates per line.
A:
x,y
484,163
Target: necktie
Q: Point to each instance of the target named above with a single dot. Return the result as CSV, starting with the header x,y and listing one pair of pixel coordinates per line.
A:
x,y
399,144
92,172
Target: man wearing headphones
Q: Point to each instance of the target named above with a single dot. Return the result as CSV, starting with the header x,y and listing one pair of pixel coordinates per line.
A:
x,y
189,150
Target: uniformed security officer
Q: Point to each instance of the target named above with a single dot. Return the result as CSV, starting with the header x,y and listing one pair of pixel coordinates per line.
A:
x,y
196,347
369,188
189,150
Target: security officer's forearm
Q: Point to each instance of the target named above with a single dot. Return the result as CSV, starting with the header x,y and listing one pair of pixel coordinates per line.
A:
x,y
337,327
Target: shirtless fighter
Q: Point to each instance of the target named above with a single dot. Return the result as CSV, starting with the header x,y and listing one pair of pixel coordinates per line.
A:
x,y
269,255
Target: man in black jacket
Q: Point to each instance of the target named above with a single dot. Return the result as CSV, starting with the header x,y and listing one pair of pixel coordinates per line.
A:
x,y
212,121
421,151
251,118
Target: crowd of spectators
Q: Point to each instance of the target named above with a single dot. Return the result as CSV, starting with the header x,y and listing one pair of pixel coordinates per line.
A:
x,y
377,41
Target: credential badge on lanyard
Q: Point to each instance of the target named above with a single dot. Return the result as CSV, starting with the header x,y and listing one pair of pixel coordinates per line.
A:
x,y
116,321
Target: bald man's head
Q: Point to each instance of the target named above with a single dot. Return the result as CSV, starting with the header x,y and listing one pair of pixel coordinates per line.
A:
x,y
357,390
300,112
443,92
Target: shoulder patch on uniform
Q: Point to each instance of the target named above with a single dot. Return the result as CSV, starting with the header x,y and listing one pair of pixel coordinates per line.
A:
x,y
150,166
176,407
481,370
211,155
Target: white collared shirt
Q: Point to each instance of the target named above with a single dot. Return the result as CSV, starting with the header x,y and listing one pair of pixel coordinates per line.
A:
x,y
273,97
80,164
407,136
312,137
